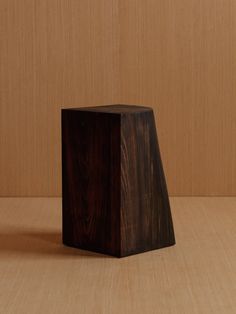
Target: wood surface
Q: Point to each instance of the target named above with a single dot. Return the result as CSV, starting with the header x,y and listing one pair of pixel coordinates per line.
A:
x,y
40,275
146,221
115,199
91,180
175,56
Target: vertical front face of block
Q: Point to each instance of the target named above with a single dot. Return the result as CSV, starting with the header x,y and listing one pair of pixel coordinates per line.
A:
x,y
91,180
146,221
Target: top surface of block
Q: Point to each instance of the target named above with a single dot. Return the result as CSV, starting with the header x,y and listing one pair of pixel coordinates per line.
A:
x,y
118,109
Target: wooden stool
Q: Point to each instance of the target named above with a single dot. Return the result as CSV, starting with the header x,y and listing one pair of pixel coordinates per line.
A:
x,y
115,199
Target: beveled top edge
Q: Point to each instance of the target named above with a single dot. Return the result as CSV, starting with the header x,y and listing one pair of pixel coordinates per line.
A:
x,y
114,108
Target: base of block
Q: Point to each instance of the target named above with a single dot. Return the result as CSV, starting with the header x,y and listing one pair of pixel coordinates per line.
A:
x,y
101,251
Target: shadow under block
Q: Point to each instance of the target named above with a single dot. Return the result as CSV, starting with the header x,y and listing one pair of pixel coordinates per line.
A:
x,y
115,198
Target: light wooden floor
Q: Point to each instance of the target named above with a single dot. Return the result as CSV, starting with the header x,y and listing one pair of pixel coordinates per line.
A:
x,y
39,275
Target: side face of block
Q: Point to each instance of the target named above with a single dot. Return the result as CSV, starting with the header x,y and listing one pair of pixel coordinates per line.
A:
x,y
146,221
91,180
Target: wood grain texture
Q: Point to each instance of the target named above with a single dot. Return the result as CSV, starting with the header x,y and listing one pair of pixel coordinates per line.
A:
x,y
40,275
115,199
179,57
175,56
146,222
53,54
91,180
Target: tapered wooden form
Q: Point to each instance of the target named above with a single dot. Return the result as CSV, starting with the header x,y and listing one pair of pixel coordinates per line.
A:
x,y
115,199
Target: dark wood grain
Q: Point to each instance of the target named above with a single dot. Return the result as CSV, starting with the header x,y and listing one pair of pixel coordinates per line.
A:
x,y
115,199
146,221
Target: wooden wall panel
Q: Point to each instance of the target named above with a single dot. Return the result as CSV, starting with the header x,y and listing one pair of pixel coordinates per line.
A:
x,y
177,56
180,58
54,54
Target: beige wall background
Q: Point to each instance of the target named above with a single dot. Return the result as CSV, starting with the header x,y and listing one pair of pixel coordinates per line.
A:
x,y
178,56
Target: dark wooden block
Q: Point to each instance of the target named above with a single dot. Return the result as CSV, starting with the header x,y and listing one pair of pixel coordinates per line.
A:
x,y
115,199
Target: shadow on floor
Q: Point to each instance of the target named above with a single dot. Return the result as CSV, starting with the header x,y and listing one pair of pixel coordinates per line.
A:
x,y
38,243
